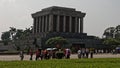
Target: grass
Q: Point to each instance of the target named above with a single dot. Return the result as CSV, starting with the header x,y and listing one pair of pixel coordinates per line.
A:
x,y
64,63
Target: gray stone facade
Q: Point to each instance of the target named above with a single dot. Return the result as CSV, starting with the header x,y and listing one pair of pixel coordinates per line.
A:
x,y
58,19
65,22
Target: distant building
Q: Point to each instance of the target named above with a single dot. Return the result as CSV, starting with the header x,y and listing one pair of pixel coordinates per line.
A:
x,y
65,22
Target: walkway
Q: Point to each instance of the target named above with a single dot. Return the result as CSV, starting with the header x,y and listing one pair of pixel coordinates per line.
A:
x,y
73,56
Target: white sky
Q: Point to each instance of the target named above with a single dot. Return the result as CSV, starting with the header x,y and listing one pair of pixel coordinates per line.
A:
x,y
100,14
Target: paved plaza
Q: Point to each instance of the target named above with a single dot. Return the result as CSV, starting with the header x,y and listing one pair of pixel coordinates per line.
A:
x,y
73,56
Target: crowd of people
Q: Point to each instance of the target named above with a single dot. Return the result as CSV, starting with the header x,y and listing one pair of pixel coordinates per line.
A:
x,y
85,53
47,54
57,53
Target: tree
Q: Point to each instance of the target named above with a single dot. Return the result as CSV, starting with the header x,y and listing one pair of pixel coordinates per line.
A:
x,y
117,32
19,33
21,38
5,37
111,42
35,43
112,32
56,42
109,32
112,36
12,32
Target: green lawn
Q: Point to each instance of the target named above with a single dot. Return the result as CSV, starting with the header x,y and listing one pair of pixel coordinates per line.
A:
x,y
64,63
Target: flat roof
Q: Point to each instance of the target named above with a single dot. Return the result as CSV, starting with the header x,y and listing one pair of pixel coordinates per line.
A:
x,y
58,8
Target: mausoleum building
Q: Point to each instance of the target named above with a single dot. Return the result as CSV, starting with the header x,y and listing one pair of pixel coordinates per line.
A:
x,y
65,22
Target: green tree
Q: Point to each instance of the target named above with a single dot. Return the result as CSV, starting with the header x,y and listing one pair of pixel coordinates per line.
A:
x,y
111,42
21,37
109,32
56,42
5,37
19,33
117,32
112,32
112,36
12,32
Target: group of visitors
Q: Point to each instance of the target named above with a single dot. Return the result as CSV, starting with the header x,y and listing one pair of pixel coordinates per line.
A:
x,y
47,54
57,53
42,54
85,52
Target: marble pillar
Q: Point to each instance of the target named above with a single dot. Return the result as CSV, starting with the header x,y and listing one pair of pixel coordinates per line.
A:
x,y
64,23
76,24
42,23
81,25
58,21
50,22
46,24
70,25
36,25
39,24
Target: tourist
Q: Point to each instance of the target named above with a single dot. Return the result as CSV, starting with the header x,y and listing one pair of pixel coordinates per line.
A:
x,y
31,54
21,55
91,52
59,54
37,54
53,54
79,53
41,54
45,54
83,52
87,52
67,53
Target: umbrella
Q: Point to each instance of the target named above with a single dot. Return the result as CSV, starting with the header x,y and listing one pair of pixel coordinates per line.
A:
x,y
118,48
51,48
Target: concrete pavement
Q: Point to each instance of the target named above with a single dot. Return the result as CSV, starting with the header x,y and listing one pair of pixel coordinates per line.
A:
x,y
73,56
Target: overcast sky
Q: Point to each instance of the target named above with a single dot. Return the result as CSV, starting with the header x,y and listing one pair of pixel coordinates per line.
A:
x,y
100,14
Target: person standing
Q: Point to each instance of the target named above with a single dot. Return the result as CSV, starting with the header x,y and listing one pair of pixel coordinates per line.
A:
x,y
37,54
45,54
83,52
31,54
41,54
91,52
59,54
21,55
79,53
67,53
87,52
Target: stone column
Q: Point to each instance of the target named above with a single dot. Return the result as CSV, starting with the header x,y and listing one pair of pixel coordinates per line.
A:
x,y
42,23
36,25
76,24
39,24
58,22
81,25
50,22
64,23
46,24
70,20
